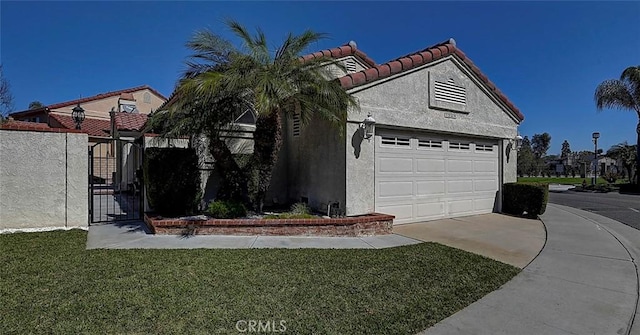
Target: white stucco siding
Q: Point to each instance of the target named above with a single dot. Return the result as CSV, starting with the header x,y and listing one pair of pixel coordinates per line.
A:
x,y
43,180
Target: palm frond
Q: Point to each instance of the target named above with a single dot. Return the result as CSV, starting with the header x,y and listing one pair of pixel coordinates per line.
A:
x,y
613,94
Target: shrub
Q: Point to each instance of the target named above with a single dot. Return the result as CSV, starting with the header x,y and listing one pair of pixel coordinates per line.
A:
x,y
172,180
630,188
290,216
300,208
222,209
521,198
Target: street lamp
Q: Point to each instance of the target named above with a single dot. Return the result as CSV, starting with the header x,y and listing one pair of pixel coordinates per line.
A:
x,y
78,115
595,137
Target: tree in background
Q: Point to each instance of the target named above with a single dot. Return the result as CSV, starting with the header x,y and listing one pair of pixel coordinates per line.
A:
x,y
540,144
565,154
626,155
6,98
623,93
36,104
525,158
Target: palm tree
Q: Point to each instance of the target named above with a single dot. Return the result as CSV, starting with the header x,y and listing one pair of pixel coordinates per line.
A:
x,y
222,81
623,93
625,154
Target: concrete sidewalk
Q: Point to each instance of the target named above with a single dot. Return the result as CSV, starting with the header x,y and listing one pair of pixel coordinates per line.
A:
x,y
135,235
585,281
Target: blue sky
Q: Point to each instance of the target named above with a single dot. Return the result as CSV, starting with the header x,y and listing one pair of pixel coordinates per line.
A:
x,y
547,57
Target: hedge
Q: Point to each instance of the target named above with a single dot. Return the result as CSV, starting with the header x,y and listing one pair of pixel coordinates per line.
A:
x,y
525,199
172,180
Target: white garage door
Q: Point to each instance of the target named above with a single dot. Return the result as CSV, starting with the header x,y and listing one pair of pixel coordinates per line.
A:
x,y
426,177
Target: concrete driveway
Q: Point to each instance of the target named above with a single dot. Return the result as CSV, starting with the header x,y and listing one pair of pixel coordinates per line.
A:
x,y
508,239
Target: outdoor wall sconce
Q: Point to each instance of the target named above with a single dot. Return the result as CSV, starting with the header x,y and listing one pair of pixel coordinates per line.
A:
x,y
367,127
78,115
514,144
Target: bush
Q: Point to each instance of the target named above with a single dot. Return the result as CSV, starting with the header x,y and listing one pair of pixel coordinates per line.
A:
x,y
525,199
290,216
172,180
300,208
221,209
630,188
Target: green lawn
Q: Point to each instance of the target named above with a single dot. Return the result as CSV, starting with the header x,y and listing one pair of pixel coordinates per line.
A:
x,y
50,284
560,180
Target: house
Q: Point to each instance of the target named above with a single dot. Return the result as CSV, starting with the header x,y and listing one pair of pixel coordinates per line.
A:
x,y
117,114
434,138
442,144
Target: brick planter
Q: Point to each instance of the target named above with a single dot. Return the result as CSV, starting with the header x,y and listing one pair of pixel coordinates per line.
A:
x,y
371,224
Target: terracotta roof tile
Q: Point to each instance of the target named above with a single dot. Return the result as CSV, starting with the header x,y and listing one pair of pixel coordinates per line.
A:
x,y
427,55
127,96
91,126
96,97
11,124
342,51
128,121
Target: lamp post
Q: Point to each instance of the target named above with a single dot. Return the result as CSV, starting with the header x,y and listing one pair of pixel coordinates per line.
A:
x,y
595,137
78,115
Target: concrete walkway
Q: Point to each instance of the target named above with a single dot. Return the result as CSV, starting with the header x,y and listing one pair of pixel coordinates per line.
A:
x,y
508,239
585,281
135,235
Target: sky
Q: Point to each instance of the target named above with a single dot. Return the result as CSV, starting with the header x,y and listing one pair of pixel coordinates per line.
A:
x,y
547,57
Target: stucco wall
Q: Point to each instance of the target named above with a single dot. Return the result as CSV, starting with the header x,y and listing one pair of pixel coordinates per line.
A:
x,y
43,180
404,101
317,165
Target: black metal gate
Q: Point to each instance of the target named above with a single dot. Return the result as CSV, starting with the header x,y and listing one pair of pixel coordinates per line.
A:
x,y
115,181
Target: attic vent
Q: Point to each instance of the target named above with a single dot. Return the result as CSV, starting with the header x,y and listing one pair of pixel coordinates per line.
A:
x,y
296,124
350,65
450,92
147,98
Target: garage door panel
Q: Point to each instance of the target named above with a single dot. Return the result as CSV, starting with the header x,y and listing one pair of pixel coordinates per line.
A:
x,y
457,207
393,189
430,188
484,185
485,166
425,165
395,165
430,210
432,181
401,212
458,165
460,186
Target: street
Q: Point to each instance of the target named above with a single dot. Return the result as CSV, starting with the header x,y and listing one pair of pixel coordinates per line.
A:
x,y
620,207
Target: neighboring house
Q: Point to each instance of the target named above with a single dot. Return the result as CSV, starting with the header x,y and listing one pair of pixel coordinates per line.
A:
x,y
442,145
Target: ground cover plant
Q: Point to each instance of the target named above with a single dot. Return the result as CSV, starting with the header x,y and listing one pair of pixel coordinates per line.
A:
x,y
50,284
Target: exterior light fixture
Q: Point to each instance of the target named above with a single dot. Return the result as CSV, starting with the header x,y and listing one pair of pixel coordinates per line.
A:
x,y
518,142
514,144
367,126
78,115
595,136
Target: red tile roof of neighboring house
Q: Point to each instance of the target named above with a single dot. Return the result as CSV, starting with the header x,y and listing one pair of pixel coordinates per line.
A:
x,y
127,96
91,126
349,49
128,121
92,98
15,124
419,58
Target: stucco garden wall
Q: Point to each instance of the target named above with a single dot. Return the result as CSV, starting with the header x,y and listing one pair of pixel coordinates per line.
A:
x,y
43,180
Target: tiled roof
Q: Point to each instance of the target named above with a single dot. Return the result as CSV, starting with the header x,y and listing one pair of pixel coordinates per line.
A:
x,y
91,126
419,58
349,49
128,121
96,97
15,124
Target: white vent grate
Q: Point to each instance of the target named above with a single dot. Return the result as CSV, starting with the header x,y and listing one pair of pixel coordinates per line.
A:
x,y
429,144
450,92
296,124
350,65
396,141
458,145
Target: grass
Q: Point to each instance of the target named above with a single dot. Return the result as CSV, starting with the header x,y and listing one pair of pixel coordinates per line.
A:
x,y
50,284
